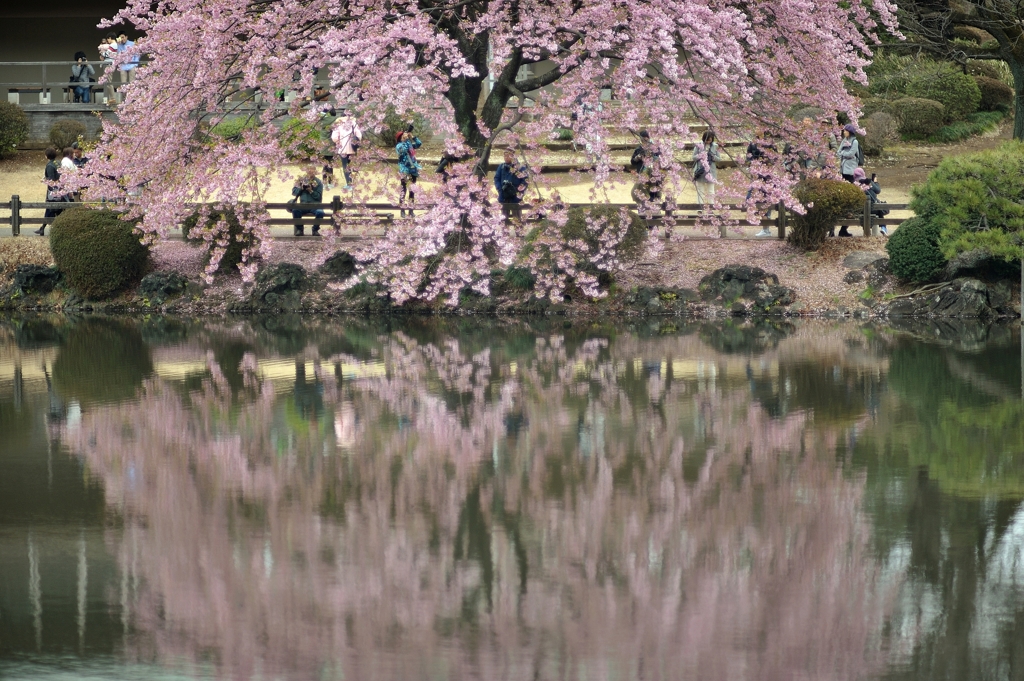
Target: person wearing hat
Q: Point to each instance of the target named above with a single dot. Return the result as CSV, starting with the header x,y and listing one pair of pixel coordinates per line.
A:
x,y
82,72
849,152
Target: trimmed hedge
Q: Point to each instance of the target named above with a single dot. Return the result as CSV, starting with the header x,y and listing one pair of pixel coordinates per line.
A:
x,y
828,200
880,129
238,240
995,94
65,131
918,117
98,253
914,253
232,128
13,128
955,90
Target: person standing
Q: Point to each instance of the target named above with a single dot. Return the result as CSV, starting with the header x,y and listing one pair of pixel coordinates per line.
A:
x,y
82,72
757,158
346,137
849,152
51,176
108,50
127,69
408,166
308,189
705,171
510,181
644,162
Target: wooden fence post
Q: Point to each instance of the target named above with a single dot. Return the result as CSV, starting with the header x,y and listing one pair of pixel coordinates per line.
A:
x,y
780,222
866,221
15,215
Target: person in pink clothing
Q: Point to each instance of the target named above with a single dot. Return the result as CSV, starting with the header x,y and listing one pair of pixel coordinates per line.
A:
x,y
346,136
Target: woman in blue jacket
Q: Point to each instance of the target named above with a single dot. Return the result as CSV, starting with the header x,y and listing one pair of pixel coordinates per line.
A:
x,y
408,166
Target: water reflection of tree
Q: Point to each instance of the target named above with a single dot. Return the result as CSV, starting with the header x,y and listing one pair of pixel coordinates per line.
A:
x,y
490,511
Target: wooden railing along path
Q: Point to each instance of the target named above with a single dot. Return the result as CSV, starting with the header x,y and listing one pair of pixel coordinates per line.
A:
x,y
384,214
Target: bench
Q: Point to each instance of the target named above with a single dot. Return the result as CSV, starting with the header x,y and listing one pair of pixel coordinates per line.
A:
x,y
14,94
69,91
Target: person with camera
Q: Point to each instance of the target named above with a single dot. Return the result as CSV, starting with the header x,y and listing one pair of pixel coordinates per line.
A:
x,y
82,72
871,189
408,166
510,181
308,189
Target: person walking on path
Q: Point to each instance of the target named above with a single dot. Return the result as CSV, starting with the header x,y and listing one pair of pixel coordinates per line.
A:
x,y
346,137
849,152
82,72
308,189
408,166
510,181
705,171
51,175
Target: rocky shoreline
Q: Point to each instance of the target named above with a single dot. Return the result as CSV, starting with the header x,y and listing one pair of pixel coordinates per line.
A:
x,y
730,291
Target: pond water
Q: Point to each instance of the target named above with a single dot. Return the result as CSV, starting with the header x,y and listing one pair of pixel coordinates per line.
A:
x,y
293,498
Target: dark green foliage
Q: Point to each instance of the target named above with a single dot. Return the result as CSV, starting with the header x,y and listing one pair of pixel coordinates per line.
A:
x,y
98,253
955,90
988,69
914,253
564,134
341,266
13,128
632,243
101,361
238,239
520,278
873,105
232,128
395,123
976,124
831,199
976,202
65,131
302,140
995,94
918,117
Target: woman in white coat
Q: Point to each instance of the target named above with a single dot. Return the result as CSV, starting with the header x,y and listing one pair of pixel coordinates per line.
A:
x,y
346,137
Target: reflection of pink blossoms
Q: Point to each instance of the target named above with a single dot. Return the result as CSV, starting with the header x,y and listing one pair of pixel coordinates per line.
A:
x,y
466,516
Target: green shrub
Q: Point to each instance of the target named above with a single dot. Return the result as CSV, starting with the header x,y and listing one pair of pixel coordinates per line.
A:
x,y
302,140
238,240
914,253
828,200
564,134
891,74
918,117
995,94
976,202
972,34
880,129
13,128
101,361
955,90
232,128
976,67
98,253
976,124
65,131
632,243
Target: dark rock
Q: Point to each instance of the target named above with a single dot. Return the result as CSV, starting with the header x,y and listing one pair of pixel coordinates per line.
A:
x,y
861,259
35,278
280,285
727,286
964,297
738,308
158,286
655,305
854,277
339,266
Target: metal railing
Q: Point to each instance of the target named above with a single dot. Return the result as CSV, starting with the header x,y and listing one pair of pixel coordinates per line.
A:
x,y
338,214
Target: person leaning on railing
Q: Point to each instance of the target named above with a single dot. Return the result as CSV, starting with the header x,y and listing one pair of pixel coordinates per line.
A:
x,y
82,72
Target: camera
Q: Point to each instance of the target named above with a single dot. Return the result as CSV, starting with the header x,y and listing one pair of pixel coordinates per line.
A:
x,y
873,177
409,126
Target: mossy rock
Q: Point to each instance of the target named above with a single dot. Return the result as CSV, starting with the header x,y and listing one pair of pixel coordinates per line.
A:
x,y
98,253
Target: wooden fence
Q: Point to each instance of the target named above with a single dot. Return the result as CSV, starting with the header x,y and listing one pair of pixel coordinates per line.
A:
x,y
339,214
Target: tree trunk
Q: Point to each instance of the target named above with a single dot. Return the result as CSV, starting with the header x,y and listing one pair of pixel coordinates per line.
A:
x,y
1017,69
